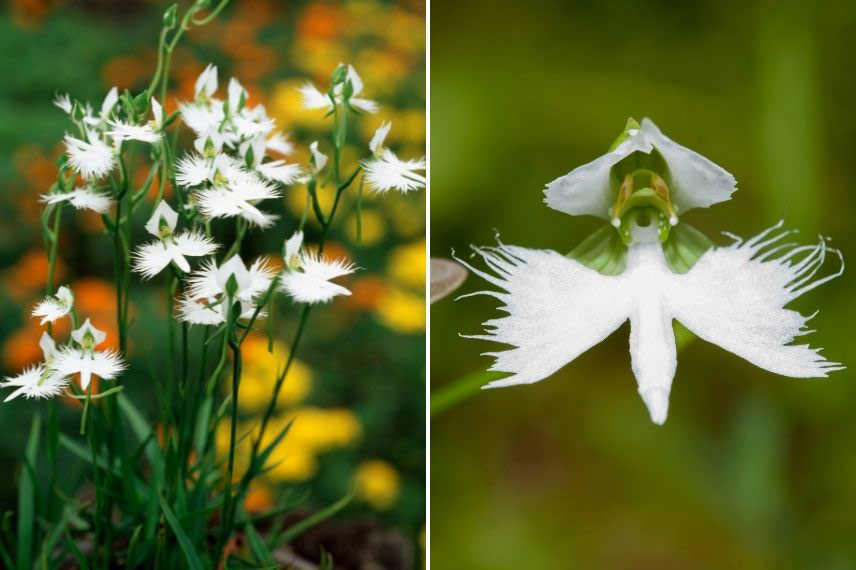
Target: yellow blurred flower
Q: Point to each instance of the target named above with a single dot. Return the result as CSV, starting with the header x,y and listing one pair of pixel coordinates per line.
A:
x,y
407,264
402,311
297,196
377,483
261,370
406,213
373,227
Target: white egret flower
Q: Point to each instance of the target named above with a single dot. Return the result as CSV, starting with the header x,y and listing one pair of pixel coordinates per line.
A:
x,y
694,181
315,99
278,142
148,132
237,96
734,297
206,302
385,171
38,381
54,307
85,359
92,159
151,258
84,198
107,105
307,275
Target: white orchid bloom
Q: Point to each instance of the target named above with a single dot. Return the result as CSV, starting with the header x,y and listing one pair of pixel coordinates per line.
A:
x,y
385,171
278,142
237,96
85,359
93,159
63,101
206,302
148,132
733,296
696,182
315,99
54,307
38,381
151,258
307,276
83,199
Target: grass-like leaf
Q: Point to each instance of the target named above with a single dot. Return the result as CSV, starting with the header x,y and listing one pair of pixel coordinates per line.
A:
x,y
26,500
183,541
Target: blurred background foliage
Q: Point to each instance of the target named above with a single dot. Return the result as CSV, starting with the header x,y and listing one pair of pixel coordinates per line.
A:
x,y
357,389
751,470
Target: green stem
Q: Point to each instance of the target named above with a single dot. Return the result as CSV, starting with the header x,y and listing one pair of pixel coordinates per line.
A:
x,y
228,513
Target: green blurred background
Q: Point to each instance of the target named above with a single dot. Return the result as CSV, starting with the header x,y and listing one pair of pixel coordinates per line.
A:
x,y
357,390
751,470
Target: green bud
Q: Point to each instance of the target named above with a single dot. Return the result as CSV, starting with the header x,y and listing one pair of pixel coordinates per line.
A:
x,y
348,90
249,157
141,102
77,112
231,285
170,17
339,74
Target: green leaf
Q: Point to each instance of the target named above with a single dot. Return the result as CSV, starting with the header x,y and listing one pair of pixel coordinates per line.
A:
x,y
296,530
142,430
183,541
26,500
257,545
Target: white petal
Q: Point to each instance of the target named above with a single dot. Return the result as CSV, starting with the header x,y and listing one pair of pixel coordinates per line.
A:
x,y
586,189
292,248
194,244
204,282
91,159
109,102
735,297
314,99
151,258
35,382
162,211
79,333
207,81
356,81
107,364
198,313
387,172
279,142
236,93
557,309
191,170
48,345
365,105
202,118
157,112
279,171
50,309
63,101
319,159
223,203
123,131
379,136
696,182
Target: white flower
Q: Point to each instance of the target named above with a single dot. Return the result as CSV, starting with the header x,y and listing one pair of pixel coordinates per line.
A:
x,y
84,359
206,301
206,83
385,171
63,101
192,170
235,193
202,117
319,159
279,171
123,131
237,96
91,159
734,297
151,258
695,182
38,381
54,307
307,275
83,199
315,99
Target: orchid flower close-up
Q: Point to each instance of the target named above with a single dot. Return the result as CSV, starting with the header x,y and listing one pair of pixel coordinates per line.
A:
x,y
733,296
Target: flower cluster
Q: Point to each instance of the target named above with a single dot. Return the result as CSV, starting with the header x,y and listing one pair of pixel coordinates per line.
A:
x,y
79,355
658,271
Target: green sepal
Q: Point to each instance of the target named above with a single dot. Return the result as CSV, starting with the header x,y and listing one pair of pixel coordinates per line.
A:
x,y
170,119
231,286
602,251
170,17
631,125
339,74
684,247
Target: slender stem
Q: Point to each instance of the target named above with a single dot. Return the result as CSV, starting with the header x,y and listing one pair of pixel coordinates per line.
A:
x,y
54,241
228,513
212,15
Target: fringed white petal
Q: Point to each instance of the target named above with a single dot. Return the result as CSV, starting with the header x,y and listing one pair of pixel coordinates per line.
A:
x,y
107,364
50,309
91,159
388,172
191,170
199,312
365,105
224,203
123,131
151,258
35,382
279,171
313,98
202,118
735,297
194,244
82,199
557,309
